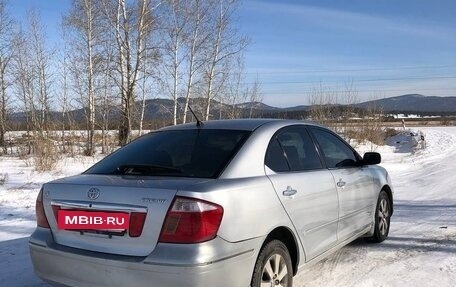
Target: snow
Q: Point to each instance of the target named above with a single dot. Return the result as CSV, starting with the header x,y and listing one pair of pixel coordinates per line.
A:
x,y
421,249
412,116
17,214
18,193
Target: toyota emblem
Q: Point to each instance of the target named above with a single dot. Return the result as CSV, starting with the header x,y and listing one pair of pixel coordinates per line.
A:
x,y
93,193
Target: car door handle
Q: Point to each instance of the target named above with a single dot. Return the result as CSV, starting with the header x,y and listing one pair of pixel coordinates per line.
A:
x,y
341,183
289,191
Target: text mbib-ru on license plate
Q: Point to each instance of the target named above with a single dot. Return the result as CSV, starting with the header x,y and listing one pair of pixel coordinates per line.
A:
x,y
70,219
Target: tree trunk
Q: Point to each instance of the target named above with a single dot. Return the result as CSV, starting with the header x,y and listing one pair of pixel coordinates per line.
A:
x,y
91,97
3,115
191,72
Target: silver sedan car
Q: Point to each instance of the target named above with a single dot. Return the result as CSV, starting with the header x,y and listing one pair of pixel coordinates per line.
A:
x,y
225,203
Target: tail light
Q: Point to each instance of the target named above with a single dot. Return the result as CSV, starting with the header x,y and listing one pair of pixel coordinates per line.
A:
x,y
191,220
41,219
136,224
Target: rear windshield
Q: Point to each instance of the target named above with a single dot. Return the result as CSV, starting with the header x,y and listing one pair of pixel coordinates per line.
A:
x,y
185,153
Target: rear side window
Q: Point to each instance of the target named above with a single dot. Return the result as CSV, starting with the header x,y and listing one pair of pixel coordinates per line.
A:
x,y
185,153
337,153
275,157
297,149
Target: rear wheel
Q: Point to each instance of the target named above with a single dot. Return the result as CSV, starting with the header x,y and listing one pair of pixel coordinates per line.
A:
x,y
382,218
273,266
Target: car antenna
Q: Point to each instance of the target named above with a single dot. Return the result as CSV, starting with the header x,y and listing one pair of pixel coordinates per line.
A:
x,y
198,122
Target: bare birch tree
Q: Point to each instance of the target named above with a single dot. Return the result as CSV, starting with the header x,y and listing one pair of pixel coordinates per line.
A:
x,y
235,94
323,101
224,44
64,83
106,102
144,91
348,99
84,26
132,24
255,98
7,49
197,36
34,84
41,62
24,85
371,129
174,28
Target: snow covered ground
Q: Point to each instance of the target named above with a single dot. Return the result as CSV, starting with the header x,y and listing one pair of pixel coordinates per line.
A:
x,y
421,249
17,215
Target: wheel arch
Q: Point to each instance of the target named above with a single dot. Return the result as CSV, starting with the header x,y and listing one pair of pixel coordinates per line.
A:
x,y
285,235
389,192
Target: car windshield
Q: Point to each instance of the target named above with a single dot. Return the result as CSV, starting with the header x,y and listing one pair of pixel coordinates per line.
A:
x,y
202,153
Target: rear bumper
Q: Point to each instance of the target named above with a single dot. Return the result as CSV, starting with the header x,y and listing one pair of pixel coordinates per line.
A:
x,y
65,266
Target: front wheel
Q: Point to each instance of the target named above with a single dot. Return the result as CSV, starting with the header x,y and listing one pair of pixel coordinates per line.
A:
x,y
382,218
273,266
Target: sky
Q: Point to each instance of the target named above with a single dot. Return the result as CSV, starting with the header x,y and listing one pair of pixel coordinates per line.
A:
x,y
380,48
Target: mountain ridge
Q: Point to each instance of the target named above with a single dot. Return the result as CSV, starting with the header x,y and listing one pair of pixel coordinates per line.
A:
x,y
161,108
413,103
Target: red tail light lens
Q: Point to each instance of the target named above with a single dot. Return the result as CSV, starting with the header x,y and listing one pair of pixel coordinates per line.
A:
x,y
55,210
136,224
191,220
41,219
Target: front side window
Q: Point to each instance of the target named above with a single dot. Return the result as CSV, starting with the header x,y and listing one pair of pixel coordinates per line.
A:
x,y
294,146
335,152
184,153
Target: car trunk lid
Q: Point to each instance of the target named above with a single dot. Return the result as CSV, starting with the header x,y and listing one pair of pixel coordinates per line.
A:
x,y
113,194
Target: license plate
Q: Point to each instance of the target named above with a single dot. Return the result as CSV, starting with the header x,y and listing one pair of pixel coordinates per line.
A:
x,y
92,220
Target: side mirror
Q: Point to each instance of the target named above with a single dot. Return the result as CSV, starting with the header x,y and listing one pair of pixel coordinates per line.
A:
x,y
372,158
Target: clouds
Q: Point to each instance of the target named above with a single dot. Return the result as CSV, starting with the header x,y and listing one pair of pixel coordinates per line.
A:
x,y
355,22
333,37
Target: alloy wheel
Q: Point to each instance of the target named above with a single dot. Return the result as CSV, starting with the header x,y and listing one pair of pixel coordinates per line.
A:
x,y
383,216
275,272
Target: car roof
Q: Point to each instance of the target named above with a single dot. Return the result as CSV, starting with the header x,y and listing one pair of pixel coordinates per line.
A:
x,y
237,124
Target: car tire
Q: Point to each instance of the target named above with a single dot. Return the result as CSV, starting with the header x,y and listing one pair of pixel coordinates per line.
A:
x,y
273,265
382,219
